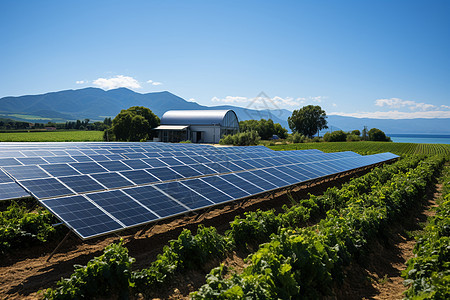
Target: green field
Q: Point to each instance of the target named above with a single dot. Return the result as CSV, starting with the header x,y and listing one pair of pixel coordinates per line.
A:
x,y
52,136
370,147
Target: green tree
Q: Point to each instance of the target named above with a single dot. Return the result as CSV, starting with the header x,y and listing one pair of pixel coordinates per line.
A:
x,y
133,124
376,134
356,132
308,120
265,128
335,136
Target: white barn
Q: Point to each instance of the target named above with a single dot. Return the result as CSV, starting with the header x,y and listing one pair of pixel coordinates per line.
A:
x,y
198,126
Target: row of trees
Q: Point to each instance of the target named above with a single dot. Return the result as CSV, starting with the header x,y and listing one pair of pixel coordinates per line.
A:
x,y
373,134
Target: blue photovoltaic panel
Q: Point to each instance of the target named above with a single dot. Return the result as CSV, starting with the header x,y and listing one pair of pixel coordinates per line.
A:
x,y
134,155
202,169
114,166
46,188
186,171
156,201
139,176
26,172
242,183
112,180
27,161
98,157
82,158
5,178
59,159
200,159
263,184
122,207
58,170
114,156
219,168
207,191
88,167
59,153
82,183
164,174
82,216
231,166
154,162
12,191
226,187
187,160
184,195
170,161
244,164
136,164
282,173
296,173
9,162
270,178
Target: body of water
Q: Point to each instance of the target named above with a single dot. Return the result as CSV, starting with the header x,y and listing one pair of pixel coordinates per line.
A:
x,y
420,138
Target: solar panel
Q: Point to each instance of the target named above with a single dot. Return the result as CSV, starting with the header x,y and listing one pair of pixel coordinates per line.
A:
x,y
156,201
46,188
186,171
258,181
9,162
58,170
184,195
112,180
173,178
207,191
245,185
139,177
164,174
86,219
123,207
154,162
82,183
226,187
114,165
88,167
26,172
12,191
5,178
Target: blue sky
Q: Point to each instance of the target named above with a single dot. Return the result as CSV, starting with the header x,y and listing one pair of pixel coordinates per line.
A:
x,y
382,59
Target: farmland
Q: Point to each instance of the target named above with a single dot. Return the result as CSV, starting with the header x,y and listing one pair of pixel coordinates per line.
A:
x,y
366,148
52,136
295,245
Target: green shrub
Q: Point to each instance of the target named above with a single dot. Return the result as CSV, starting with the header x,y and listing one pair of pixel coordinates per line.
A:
x,y
246,138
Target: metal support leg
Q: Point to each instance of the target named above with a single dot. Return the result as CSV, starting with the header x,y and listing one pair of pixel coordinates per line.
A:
x,y
59,245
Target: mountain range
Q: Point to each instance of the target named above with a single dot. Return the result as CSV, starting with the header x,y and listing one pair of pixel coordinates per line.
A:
x,y
96,104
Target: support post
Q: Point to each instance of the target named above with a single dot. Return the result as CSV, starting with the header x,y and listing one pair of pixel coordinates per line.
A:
x,y
59,245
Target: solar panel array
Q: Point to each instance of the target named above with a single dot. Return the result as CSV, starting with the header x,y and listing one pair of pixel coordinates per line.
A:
x,y
98,188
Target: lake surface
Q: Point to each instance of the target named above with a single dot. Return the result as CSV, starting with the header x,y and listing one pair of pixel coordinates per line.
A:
x,y
420,138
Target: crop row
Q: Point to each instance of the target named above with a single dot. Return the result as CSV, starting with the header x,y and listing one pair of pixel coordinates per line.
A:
x,y
428,272
20,227
371,147
191,251
304,263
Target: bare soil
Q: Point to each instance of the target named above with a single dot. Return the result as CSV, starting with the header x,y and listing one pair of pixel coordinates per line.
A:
x,y
377,273
24,272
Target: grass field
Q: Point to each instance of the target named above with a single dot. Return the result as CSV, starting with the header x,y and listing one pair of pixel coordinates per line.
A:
x,y
370,147
52,136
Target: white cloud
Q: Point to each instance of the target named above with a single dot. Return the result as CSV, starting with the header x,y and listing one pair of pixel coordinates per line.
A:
x,y
192,100
117,82
231,99
399,103
396,114
445,106
154,82
334,104
81,81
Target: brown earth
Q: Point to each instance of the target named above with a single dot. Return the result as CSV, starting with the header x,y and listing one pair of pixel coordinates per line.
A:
x,y
377,273
24,272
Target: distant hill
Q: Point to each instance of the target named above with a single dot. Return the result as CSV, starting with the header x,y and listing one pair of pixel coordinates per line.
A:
x,y
96,104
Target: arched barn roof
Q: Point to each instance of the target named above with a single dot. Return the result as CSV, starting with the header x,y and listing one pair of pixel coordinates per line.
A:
x,y
197,117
